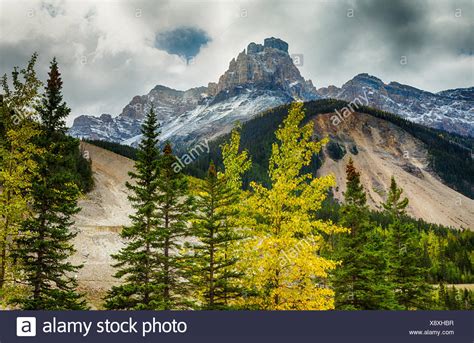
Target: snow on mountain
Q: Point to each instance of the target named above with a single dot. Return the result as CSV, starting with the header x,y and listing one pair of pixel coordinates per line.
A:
x,y
450,110
261,77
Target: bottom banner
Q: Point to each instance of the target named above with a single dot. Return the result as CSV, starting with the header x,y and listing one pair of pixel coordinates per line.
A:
x,y
169,326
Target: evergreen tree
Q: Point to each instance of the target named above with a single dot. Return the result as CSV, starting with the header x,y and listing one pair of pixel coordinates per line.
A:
x,y
214,278
53,110
408,271
395,205
44,246
174,210
467,299
140,263
442,297
361,282
236,164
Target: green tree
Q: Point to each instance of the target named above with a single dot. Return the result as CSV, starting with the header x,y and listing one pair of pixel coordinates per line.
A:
x,y
138,263
44,246
362,281
174,208
214,278
217,226
395,205
408,271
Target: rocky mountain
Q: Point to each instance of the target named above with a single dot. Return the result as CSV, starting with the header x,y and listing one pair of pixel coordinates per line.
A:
x,y
451,110
261,77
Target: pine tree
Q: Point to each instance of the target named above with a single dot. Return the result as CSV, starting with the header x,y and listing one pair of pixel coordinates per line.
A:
x,y
138,263
361,282
236,164
54,110
283,263
214,275
174,210
44,246
408,272
467,299
17,167
395,205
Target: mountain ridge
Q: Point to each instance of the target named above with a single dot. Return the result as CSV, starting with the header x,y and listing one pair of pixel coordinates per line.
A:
x,y
261,77
450,110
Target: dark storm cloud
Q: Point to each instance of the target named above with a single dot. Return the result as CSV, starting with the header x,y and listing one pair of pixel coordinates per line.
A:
x,y
403,23
183,41
406,26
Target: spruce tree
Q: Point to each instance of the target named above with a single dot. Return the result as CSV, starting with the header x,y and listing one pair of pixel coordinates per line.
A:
x,y
218,225
408,272
214,279
236,162
138,263
361,282
44,246
395,205
174,210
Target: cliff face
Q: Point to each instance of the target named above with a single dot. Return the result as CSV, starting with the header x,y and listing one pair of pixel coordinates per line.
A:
x,y
269,66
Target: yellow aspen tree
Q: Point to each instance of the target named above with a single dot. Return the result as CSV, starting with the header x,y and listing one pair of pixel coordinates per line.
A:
x,y
236,162
282,261
17,166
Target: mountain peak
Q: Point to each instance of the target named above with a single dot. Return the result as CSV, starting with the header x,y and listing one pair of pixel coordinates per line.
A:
x,y
268,43
364,77
267,66
450,110
275,43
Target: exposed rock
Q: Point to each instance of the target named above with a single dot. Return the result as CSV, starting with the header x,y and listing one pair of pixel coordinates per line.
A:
x,y
379,159
254,48
276,43
450,110
414,170
263,77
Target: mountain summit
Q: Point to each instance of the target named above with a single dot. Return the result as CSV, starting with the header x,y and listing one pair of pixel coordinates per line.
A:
x,y
260,77
267,66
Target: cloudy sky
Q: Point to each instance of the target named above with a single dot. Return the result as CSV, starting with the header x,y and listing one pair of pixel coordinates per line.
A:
x,y
109,51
